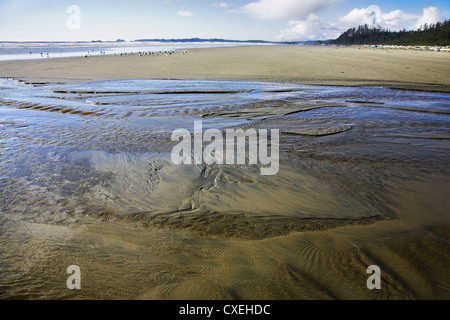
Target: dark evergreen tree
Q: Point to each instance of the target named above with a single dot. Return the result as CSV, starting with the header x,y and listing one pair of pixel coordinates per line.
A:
x,y
429,34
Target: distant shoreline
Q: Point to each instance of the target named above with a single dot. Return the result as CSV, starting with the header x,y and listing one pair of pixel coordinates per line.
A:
x,y
318,65
42,50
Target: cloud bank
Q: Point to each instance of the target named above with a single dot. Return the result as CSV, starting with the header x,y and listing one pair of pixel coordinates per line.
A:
x,y
429,15
312,27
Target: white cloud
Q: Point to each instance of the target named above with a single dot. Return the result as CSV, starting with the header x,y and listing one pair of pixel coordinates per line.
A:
x,y
396,19
222,5
373,16
307,29
430,15
361,16
284,9
185,13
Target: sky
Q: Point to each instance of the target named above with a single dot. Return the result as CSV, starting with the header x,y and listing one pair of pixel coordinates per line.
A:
x,y
273,20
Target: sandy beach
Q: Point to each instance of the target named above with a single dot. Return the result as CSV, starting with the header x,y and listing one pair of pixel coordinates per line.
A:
x,y
407,69
395,192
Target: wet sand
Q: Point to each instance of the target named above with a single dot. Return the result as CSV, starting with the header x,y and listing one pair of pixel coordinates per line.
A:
x,y
164,258
127,261
407,69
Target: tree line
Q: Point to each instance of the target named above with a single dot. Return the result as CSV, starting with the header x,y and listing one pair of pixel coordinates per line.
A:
x,y
437,34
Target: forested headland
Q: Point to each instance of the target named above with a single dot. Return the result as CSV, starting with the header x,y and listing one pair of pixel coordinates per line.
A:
x,y
437,34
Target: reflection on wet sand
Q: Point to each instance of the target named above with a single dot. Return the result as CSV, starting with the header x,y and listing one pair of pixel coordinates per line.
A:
x,y
363,180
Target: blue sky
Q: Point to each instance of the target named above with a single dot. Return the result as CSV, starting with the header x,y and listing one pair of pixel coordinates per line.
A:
x,y
30,20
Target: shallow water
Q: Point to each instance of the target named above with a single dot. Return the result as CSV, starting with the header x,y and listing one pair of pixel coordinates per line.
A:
x,y
98,155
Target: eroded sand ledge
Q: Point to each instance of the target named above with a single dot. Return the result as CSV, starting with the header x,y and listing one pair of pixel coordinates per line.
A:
x,y
324,65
